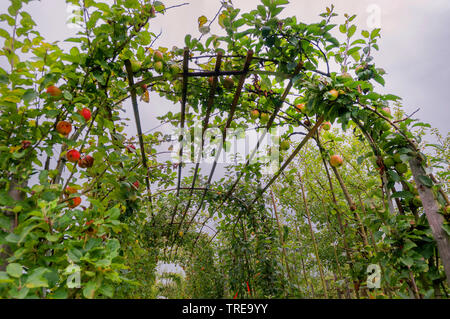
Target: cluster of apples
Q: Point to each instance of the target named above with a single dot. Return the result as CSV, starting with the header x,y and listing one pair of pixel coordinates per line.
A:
x,y
228,82
73,155
158,57
397,162
263,116
73,201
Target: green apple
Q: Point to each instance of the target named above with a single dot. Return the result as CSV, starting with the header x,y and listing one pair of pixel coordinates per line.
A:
x,y
401,168
159,67
254,114
284,145
265,118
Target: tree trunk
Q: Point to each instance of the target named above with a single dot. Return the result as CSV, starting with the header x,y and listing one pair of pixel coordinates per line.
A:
x,y
431,209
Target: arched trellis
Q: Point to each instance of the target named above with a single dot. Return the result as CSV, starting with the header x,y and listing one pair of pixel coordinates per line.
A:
x,y
431,207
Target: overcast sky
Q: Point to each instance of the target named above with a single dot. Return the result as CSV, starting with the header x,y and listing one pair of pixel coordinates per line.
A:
x,y
414,45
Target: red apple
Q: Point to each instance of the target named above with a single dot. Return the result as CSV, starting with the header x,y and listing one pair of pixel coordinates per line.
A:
x,y
54,91
386,111
86,161
86,113
300,107
336,160
152,12
26,144
264,118
136,184
74,202
131,148
63,127
73,156
70,190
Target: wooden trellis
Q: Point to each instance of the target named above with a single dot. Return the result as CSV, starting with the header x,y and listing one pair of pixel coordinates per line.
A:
x,y
215,74
430,210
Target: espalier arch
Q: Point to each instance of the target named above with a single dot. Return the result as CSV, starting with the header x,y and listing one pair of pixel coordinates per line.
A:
x,y
270,74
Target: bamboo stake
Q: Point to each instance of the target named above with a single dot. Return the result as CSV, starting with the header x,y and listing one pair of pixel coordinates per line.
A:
x,y
303,264
316,251
281,237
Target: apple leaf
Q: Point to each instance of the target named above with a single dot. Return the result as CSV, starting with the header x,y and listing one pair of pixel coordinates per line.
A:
x,y
425,180
14,270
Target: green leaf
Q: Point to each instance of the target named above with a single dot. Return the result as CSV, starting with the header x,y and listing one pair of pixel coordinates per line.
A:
x,y
4,79
425,180
74,254
15,293
159,6
351,31
113,245
12,238
403,194
89,290
60,293
113,213
4,278
408,245
360,159
24,233
36,279
14,270
29,95
446,228
375,33
5,223
67,95
353,50
107,290
43,177
391,97
407,261
379,79
394,176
